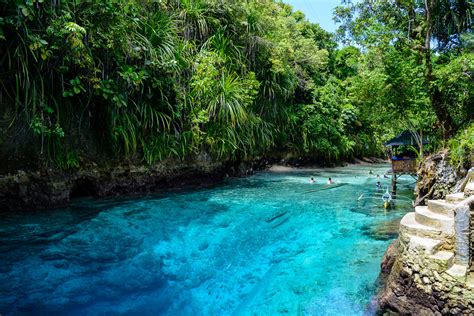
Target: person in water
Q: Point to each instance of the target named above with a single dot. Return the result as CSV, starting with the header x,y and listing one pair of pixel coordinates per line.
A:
x,y
312,180
378,185
330,181
370,171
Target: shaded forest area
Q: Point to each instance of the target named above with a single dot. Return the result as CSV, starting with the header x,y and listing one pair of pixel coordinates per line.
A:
x,y
143,81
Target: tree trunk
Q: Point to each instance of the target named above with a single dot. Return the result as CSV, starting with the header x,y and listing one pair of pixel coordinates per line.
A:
x,y
441,111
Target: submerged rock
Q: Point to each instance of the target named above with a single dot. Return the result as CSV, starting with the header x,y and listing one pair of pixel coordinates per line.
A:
x,y
382,231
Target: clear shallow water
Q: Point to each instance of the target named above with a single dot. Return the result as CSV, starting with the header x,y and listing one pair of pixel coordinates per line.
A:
x,y
265,245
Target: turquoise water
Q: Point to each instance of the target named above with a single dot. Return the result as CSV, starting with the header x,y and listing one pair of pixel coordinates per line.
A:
x,y
265,245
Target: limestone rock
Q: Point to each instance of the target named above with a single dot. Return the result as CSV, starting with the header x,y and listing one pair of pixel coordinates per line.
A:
x,y
436,177
46,189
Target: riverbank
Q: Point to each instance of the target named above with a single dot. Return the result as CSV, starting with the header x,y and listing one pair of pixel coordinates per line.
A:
x,y
36,190
49,189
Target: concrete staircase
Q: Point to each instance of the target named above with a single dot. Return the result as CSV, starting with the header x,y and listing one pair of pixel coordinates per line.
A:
x,y
431,230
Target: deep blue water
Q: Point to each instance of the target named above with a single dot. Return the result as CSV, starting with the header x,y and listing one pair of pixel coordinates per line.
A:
x,y
265,245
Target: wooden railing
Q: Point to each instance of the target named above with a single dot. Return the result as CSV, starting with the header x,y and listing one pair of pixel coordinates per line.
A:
x,y
404,165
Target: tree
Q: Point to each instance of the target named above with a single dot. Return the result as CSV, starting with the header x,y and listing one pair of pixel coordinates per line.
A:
x,y
413,25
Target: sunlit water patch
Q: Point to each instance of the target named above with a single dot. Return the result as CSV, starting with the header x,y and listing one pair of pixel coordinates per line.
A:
x,y
264,245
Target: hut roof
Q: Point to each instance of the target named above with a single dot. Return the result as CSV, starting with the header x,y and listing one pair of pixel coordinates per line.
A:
x,y
404,138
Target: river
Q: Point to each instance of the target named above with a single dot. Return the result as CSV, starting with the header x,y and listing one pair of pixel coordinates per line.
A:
x,y
268,244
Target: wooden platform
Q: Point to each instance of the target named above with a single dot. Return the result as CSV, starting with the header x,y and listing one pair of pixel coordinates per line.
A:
x,y
404,165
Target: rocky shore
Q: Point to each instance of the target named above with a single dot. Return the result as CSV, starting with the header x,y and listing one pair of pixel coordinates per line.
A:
x,y
417,285
29,191
37,190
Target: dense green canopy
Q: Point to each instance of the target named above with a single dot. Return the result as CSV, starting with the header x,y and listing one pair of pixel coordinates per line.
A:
x,y
147,80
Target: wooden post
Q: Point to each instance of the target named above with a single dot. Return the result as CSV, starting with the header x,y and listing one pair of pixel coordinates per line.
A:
x,y
394,184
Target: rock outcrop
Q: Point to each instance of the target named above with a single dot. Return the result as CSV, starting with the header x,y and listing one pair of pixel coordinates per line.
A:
x,y
436,177
418,285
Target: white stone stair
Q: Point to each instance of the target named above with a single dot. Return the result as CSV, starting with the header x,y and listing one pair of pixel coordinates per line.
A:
x,y
431,229
455,198
425,216
441,207
430,232
470,280
428,245
458,271
409,226
469,189
444,259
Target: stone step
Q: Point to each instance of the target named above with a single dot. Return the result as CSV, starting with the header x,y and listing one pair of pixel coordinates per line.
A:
x,y
409,226
469,189
429,245
441,207
470,280
458,271
455,198
443,259
426,217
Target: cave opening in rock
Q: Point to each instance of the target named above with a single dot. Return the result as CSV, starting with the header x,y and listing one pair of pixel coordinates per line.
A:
x,y
82,188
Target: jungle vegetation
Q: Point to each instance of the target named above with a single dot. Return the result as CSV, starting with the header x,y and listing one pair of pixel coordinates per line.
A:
x,y
144,80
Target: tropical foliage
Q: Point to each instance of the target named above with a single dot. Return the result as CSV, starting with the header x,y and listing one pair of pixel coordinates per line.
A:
x,y
421,55
462,148
149,80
